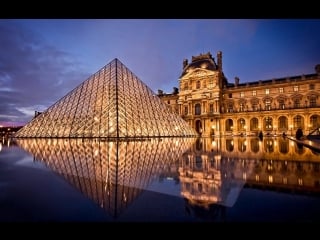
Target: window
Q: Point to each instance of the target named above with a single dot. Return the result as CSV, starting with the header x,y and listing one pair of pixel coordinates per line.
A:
x,y
197,109
185,110
313,102
230,95
185,98
230,107
314,121
254,93
198,85
254,106
242,94
297,122
210,83
281,90
229,125
241,107
185,86
296,103
268,104
211,108
254,124
283,122
267,91
204,84
295,88
168,101
311,86
268,123
242,124
281,104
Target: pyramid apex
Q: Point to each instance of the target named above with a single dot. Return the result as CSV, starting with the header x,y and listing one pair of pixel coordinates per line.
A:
x,y
111,103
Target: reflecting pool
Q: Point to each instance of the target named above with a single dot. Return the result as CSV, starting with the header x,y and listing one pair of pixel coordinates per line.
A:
x,y
230,179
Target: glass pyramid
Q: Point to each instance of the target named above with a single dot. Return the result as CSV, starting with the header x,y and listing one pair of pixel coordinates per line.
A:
x,y
112,103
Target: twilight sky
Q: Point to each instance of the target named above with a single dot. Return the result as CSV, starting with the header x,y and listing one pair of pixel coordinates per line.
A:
x,y
43,60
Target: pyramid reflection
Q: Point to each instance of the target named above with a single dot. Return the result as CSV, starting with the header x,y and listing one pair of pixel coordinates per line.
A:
x,y
112,103
112,174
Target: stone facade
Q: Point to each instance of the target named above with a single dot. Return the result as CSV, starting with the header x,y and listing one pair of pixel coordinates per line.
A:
x,y
213,106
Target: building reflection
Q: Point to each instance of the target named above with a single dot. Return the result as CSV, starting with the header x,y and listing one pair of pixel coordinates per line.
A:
x,y
112,174
211,172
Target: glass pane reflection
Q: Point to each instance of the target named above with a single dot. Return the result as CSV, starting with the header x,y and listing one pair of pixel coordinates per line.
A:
x,y
113,173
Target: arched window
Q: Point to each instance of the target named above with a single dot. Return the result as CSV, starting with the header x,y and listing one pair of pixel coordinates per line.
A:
x,y
298,122
268,123
254,124
242,124
229,125
315,121
283,123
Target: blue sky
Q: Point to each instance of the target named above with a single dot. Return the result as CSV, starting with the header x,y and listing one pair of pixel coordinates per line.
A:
x,y
41,60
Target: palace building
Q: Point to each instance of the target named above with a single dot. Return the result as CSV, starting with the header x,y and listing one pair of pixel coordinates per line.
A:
x,y
213,106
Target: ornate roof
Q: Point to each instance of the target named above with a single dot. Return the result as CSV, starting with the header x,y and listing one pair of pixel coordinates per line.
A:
x,y
204,61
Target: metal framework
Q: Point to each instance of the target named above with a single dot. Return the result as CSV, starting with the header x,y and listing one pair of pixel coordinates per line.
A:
x,y
112,103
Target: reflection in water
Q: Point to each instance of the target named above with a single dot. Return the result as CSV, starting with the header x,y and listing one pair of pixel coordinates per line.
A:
x,y
7,142
112,174
211,172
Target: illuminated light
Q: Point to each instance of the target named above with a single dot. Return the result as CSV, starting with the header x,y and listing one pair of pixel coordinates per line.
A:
x,y
96,152
213,143
0,147
125,197
212,127
169,178
96,119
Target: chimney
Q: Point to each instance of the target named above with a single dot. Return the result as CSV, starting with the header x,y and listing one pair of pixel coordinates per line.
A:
x,y
236,81
185,63
219,58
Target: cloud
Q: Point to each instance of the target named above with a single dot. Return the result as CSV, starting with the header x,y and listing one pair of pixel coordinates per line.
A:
x,y
32,73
